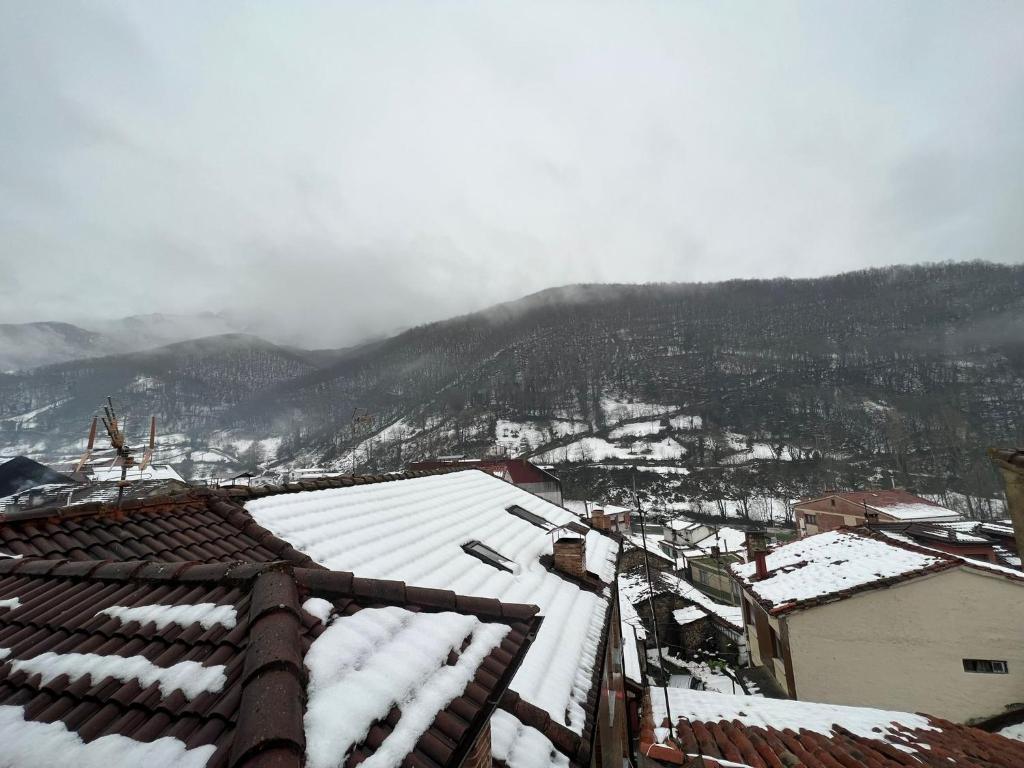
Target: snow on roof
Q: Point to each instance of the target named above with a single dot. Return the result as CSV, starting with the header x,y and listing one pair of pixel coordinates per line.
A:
x,y
688,615
633,587
205,614
922,511
392,657
632,627
683,524
518,745
31,744
189,677
826,563
585,509
818,734
152,472
727,539
414,530
780,714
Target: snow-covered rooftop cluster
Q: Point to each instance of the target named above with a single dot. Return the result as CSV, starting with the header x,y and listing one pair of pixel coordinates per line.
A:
x,y
829,562
414,530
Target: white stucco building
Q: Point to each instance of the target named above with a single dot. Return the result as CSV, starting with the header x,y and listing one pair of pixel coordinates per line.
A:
x,y
853,617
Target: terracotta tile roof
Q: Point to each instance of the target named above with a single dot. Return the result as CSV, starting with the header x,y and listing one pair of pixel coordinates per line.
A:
x,y
254,717
212,526
191,527
856,737
878,499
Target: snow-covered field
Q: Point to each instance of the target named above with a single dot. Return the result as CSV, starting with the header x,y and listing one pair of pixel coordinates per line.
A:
x,y
637,429
599,449
617,410
514,436
761,451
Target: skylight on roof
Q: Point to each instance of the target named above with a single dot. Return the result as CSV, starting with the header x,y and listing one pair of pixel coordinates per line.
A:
x,y
489,556
529,517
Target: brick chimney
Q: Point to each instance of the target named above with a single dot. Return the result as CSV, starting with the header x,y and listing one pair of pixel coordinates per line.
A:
x,y
757,550
571,555
599,520
1011,466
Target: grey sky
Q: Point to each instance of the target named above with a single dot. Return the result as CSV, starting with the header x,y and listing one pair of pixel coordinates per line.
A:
x,y
334,170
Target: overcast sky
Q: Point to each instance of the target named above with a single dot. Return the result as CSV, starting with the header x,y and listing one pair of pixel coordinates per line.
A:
x,y
335,170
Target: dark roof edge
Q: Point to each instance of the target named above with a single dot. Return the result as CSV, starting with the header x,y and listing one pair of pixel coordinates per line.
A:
x,y
337,584
236,572
501,687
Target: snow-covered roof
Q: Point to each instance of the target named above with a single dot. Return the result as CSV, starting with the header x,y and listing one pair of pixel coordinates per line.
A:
x,y
632,628
688,615
923,511
414,530
634,589
735,730
896,503
728,540
836,564
152,472
584,509
205,664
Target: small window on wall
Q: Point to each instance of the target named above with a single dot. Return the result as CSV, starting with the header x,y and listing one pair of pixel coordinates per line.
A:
x,y
776,645
811,519
986,666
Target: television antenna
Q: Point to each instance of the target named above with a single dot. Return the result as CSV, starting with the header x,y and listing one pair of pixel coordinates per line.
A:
x,y
124,453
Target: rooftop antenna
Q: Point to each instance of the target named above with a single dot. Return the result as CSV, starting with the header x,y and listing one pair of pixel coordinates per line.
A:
x,y
124,452
88,446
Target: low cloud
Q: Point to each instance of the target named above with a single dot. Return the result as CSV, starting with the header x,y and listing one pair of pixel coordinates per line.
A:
x,y
331,172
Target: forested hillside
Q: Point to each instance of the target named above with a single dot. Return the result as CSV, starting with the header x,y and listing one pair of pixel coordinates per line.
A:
x,y
753,388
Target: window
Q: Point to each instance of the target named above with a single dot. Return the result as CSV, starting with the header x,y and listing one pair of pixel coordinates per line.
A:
x,y
811,519
776,644
989,666
833,502
529,517
489,556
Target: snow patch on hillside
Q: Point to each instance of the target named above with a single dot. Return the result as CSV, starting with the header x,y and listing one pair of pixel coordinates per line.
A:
x,y
516,437
617,411
639,429
599,449
686,422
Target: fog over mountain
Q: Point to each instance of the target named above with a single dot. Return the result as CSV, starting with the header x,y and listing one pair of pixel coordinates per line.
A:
x,y
898,375
325,173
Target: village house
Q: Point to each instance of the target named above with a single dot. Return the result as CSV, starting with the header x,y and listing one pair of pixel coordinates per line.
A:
x,y
522,473
705,553
860,618
605,517
700,729
835,510
382,550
